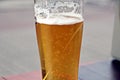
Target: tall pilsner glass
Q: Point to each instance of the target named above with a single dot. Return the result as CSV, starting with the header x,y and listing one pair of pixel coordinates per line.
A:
x,y
59,27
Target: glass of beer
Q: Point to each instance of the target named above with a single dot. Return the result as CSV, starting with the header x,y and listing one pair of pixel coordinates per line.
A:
x,y
59,27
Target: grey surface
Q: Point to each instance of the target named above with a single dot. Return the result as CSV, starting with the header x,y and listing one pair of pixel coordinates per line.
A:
x,y
18,46
97,71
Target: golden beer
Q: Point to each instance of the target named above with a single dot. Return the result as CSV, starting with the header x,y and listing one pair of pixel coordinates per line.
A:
x,y
59,47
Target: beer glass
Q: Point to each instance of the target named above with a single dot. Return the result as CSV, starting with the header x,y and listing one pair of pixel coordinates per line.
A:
x,y
59,27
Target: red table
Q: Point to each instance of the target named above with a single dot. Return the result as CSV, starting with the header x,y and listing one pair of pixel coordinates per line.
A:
x,y
97,71
26,76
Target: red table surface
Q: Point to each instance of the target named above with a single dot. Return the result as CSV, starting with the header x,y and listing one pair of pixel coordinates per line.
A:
x,y
97,71
26,76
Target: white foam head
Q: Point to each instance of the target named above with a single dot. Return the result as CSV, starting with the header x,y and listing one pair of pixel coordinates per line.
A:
x,y
43,16
61,19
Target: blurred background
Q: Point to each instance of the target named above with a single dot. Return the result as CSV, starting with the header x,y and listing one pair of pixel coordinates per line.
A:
x,y
18,46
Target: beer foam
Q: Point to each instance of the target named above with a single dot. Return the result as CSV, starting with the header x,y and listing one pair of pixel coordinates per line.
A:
x,y
60,19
